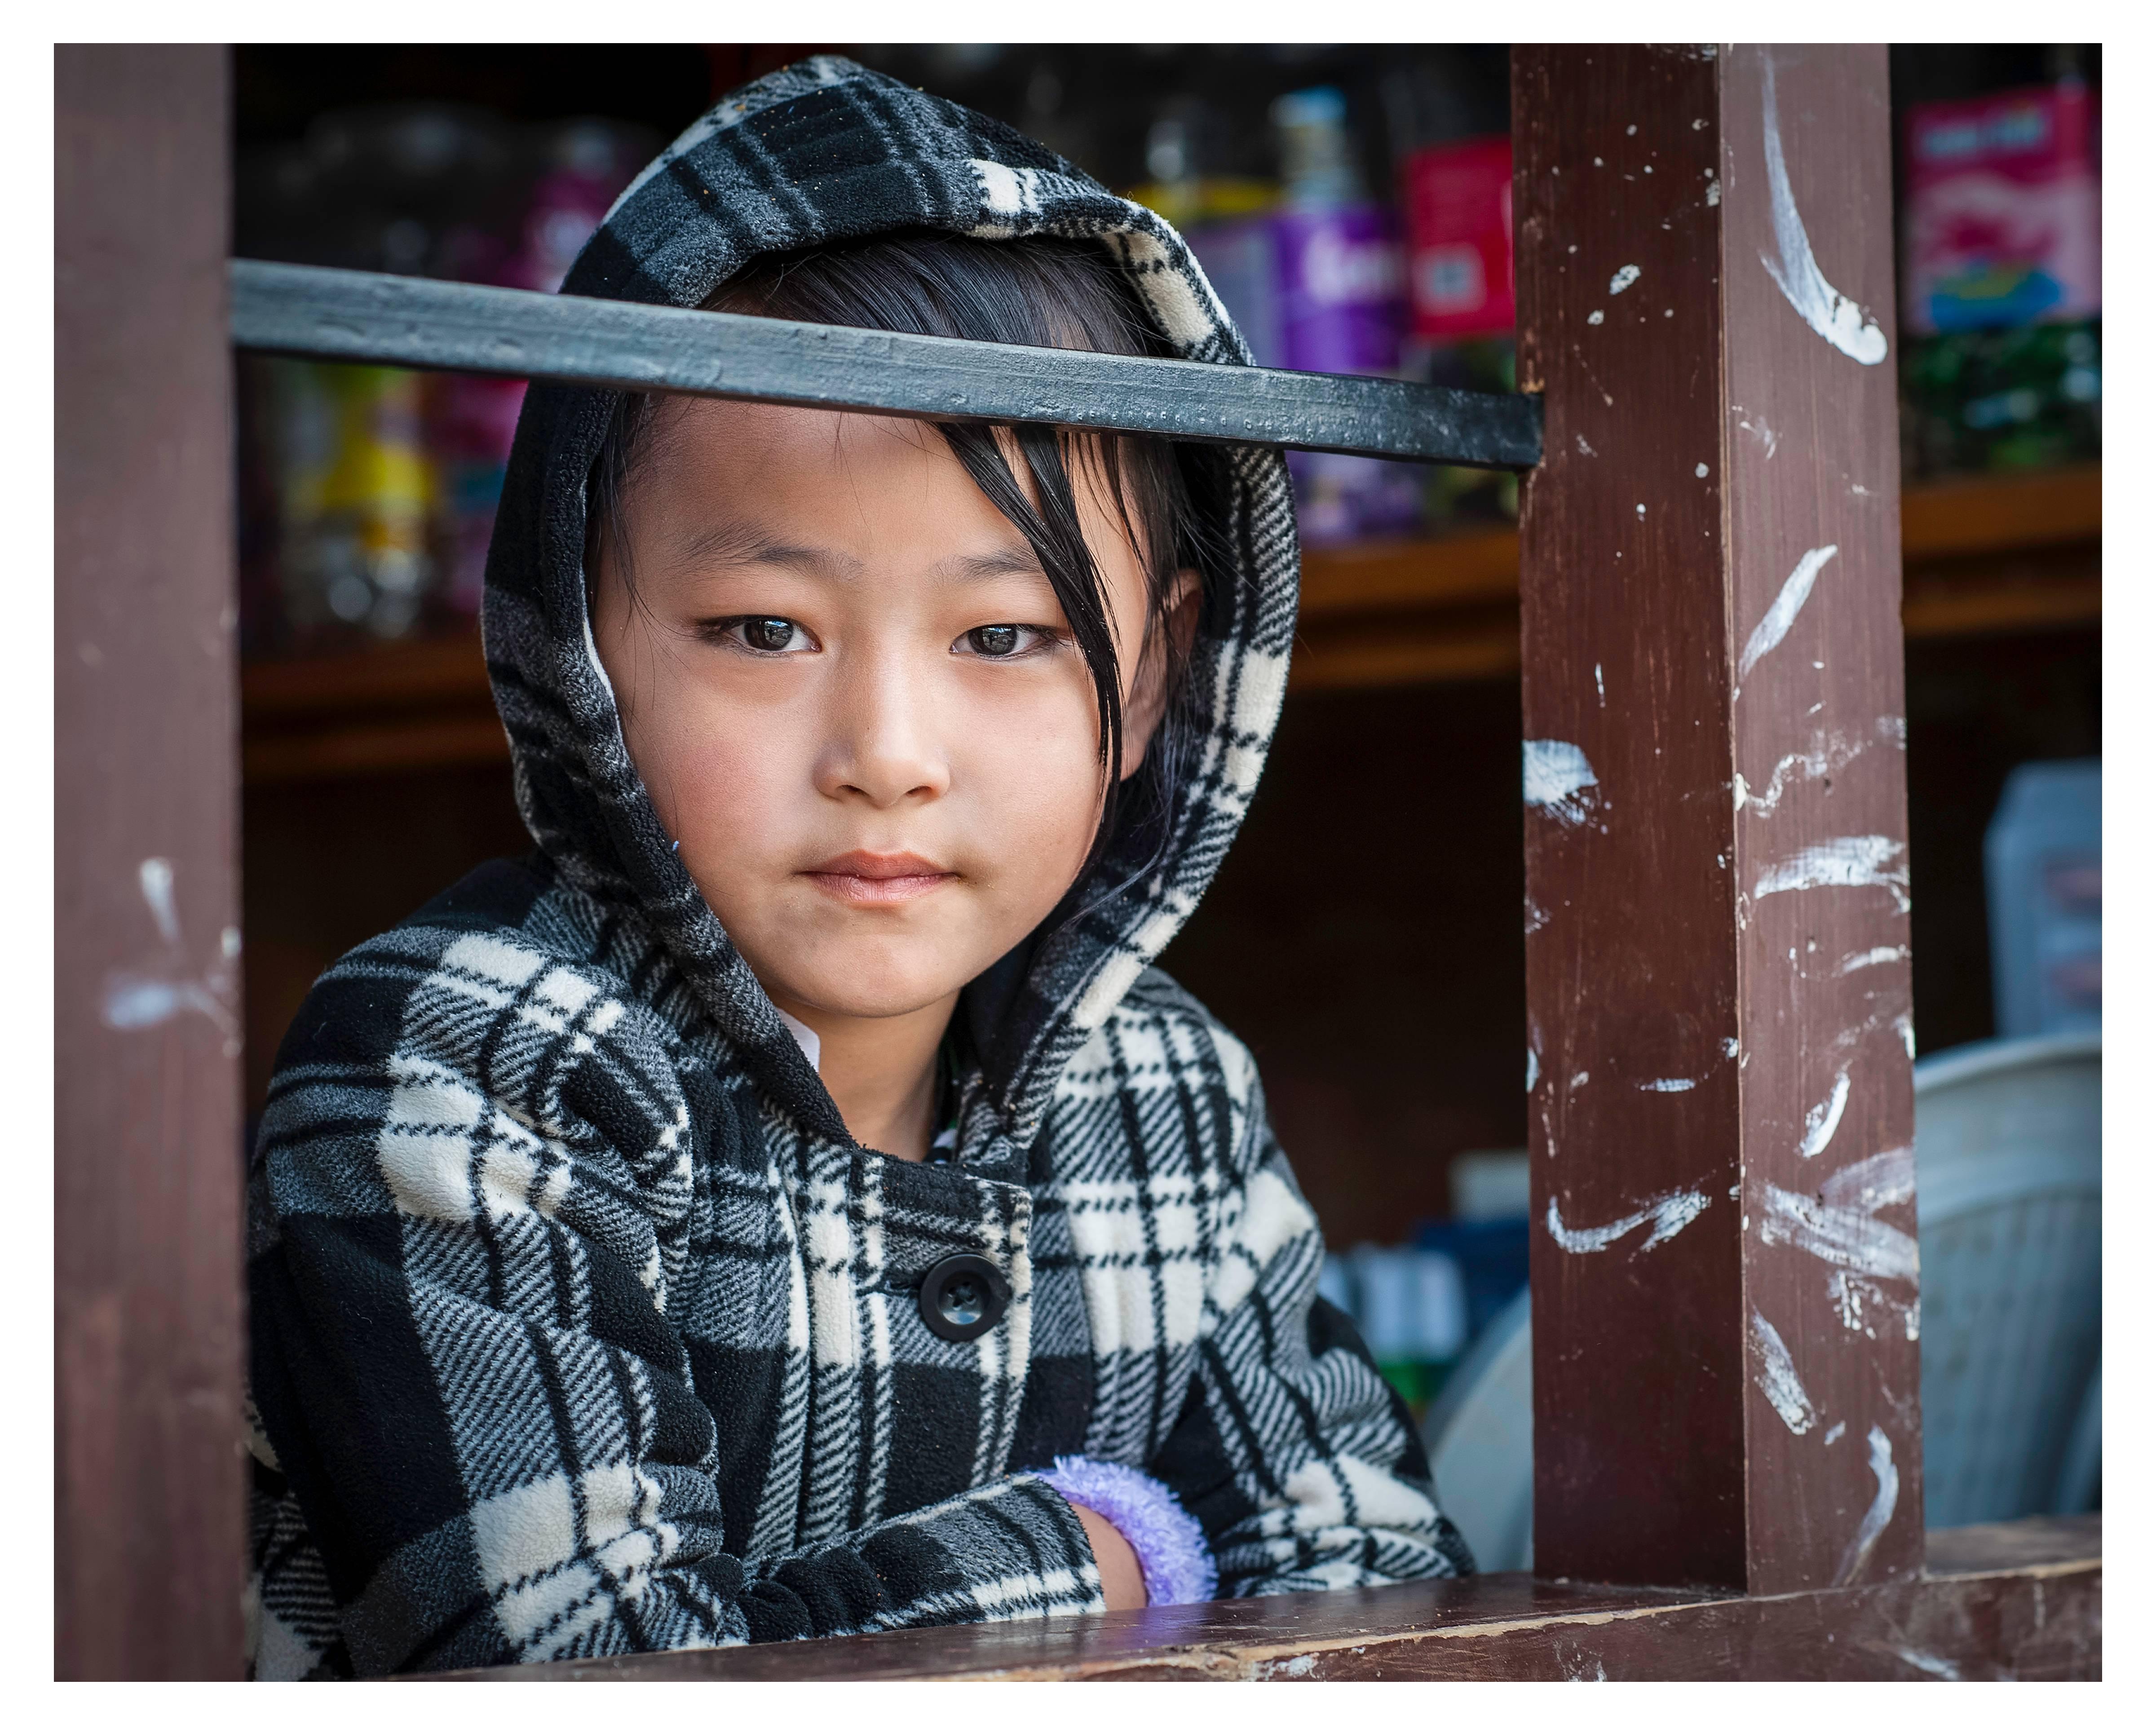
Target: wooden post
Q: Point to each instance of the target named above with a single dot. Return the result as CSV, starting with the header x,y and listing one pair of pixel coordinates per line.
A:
x,y
1724,1264
150,1518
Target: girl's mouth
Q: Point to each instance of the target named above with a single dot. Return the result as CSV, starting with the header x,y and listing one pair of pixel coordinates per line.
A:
x,y
867,877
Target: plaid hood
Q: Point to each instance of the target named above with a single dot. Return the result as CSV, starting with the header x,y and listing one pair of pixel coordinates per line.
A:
x,y
820,152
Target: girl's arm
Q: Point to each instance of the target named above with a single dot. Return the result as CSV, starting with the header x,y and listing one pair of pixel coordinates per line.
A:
x,y
470,1201
1298,1459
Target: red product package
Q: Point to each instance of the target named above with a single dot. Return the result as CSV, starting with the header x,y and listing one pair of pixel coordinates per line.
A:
x,y
1460,237
2003,224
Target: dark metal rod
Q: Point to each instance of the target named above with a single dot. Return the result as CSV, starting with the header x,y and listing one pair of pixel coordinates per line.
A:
x,y
354,315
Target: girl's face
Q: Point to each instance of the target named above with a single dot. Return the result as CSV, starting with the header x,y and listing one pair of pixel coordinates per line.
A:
x,y
854,698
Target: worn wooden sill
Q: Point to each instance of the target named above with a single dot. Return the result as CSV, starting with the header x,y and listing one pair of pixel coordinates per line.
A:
x,y
2019,1599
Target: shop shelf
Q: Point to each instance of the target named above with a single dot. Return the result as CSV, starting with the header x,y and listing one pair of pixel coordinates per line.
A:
x,y
1985,555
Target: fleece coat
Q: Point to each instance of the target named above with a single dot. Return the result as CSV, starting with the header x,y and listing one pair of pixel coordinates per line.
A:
x,y
580,1324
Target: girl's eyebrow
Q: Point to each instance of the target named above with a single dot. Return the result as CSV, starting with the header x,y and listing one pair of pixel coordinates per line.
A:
x,y
735,542
986,565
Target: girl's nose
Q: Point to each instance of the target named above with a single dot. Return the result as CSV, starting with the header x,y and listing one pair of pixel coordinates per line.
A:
x,y
884,747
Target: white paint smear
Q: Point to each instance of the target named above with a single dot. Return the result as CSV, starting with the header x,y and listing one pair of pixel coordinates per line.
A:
x,y
1867,859
1847,1238
1556,778
1790,600
1669,1215
1877,955
1776,1375
1624,278
1820,1122
1856,1297
155,873
1875,1518
1670,1084
1838,320
1534,1071
1890,1177
141,1000
1834,1432
1929,1663
1537,918
1830,750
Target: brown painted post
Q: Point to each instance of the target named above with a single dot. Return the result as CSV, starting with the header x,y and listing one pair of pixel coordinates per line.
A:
x,y
1724,1261
149,1521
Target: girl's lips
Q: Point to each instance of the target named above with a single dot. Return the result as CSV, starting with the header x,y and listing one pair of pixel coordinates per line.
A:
x,y
863,877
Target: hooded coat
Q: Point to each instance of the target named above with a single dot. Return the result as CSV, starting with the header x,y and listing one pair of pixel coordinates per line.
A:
x,y
581,1326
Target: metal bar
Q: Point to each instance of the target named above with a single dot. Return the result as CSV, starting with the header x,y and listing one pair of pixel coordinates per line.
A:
x,y
445,326
1718,971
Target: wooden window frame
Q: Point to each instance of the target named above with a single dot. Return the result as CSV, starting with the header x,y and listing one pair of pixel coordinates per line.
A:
x,y
1691,1029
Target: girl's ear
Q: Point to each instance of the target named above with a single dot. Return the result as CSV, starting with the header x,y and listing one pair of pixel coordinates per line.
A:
x,y
1167,644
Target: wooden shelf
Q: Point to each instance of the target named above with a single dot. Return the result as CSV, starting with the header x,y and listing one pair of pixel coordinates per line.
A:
x,y
1981,556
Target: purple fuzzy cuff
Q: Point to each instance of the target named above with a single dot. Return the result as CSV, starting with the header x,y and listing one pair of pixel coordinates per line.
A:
x,y
1170,1545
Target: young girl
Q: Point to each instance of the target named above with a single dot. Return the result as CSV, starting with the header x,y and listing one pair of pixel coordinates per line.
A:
x,y
789,1202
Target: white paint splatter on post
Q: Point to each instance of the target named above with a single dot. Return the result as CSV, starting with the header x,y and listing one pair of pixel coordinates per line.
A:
x,y
1669,1215
1846,1238
1839,320
1820,1122
1890,1177
1556,778
1875,955
1776,1375
1887,1494
1830,752
1624,278
1790,600
1867,859
1670,1084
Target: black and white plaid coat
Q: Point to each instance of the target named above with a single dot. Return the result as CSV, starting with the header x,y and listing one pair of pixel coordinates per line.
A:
x,y
580,1324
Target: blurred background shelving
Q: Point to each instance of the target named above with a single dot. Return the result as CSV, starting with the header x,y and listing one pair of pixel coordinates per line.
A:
x,y
1364,937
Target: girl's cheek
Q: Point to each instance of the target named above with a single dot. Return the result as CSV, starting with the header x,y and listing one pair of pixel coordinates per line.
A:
x,y
1034,754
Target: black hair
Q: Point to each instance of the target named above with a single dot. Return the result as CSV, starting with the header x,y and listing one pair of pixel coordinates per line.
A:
x,y
1037,292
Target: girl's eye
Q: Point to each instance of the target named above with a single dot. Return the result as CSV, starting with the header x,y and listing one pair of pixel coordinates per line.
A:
x,y
769,634
1001,640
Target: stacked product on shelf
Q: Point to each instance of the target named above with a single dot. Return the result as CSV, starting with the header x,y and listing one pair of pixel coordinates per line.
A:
x,y
2002,282
1420,1307
368,492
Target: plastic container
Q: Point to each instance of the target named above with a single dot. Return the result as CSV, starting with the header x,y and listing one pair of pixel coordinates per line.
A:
x,y
2043,870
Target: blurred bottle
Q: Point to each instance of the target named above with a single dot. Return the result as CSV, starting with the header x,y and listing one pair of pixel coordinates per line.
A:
x,y
1343,308
368,494
355,542
1410,1306
2002,262
1453,158
1185,145
2043,869
575,172
356,493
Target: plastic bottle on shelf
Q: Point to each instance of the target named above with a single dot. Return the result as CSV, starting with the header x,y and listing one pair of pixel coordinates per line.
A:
x,y
357,542
1343,308
576,170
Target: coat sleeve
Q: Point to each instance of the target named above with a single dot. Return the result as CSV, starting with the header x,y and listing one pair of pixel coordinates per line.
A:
x,y
1297,1458
468,1202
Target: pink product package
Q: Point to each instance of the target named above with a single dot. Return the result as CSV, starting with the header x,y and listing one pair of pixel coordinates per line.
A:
x,y
1459,199
2004,211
